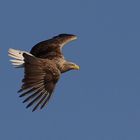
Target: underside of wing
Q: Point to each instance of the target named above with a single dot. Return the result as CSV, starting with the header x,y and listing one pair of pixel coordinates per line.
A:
x,y
39,81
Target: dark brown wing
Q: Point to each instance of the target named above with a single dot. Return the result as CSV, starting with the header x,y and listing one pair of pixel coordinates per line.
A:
x,y
47,49
39,81
52,48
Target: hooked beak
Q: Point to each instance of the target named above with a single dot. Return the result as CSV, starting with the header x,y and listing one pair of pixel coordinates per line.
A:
x,y
76,67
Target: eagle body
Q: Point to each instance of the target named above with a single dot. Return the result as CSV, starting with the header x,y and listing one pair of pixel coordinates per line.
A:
x,y
43,67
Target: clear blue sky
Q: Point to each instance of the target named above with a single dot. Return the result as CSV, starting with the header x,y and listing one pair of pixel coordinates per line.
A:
x,y
99,102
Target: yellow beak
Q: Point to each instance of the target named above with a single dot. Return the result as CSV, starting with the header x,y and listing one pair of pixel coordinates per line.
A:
x,y
76,67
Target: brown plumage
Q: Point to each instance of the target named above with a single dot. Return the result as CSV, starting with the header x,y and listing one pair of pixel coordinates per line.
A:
x,y
42,69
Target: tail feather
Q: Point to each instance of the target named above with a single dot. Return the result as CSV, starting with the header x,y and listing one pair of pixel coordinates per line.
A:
x,y
17,55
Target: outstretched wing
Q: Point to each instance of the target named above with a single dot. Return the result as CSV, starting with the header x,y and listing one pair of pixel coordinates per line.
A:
x,y
53,47
39,81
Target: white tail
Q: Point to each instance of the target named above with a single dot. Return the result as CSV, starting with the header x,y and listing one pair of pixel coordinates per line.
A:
x,y
18,60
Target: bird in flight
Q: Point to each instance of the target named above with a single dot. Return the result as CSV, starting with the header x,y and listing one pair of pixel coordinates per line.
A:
x,y
43,67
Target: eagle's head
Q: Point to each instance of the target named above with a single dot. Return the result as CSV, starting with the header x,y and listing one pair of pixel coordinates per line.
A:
x,y
67,66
